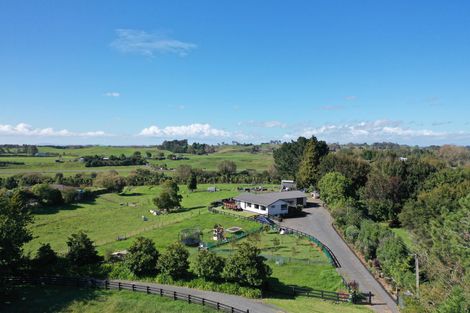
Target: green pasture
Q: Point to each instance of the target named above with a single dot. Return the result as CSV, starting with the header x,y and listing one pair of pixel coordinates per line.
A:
x,y
240,155
75,300
120,215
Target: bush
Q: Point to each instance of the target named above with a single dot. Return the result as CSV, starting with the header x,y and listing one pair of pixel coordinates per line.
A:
x,y
209,265
46,259
47,195
142,258
174,261
247,266
110,180
81,250
69,195
351,233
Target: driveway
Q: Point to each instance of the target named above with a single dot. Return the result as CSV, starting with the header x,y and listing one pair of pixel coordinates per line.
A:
x,y
255,306
317,222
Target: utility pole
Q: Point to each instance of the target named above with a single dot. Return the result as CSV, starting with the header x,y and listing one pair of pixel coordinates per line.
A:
x,y
417,274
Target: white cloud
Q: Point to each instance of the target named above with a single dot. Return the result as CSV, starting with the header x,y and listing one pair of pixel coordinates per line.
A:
x,y
112,94
378,130
23,129
149,44
263,124
191,131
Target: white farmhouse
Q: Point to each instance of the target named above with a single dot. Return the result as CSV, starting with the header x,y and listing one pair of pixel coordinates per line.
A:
x,y
273,203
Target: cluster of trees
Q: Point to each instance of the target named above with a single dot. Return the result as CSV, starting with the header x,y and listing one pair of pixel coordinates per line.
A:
x,y
15,217
97,161
371,193
182,146
245,267
18,149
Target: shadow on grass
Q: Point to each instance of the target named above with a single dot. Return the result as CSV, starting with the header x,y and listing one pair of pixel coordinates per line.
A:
x,y
278,290
132,194
45,299
61,207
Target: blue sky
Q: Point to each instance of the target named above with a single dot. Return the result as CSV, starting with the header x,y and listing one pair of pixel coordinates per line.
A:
x,y
140,72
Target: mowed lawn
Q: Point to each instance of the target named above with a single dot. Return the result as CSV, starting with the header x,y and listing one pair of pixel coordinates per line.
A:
x,y
120,215
75,300
295,261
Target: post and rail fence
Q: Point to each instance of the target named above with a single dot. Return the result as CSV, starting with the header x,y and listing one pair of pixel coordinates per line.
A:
x,y
118,285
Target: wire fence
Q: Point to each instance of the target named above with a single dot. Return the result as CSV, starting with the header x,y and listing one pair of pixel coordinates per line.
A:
x,y
118,285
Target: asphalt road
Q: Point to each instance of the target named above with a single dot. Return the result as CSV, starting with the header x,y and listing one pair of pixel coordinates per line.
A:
x,y
255,306
317,222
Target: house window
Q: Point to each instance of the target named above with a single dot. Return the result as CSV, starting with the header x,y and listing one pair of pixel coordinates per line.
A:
x,y
256,206
263,208
284,207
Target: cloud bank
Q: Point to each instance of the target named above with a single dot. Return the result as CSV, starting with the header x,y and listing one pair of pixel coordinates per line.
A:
x,y
190,131
23,129
379,130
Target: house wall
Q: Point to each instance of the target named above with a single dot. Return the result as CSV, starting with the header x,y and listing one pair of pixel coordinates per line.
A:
x,y
252,208
278,208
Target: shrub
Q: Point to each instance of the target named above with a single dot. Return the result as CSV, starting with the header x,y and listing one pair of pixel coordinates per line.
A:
x,y
81,250
142,257
209,265
351,233
45,259
247,266
110,180
174,261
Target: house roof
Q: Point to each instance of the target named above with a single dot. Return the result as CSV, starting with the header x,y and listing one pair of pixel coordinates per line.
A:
x,y
266,199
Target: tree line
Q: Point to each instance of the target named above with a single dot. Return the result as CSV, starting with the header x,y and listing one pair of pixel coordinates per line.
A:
x,y
372,192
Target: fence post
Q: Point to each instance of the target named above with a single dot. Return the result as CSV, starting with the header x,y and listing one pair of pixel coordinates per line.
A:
x,y
161,292
133,287
322,295
370,297
174,295
218,306
119,285
189,298
203,302
148,289
106,284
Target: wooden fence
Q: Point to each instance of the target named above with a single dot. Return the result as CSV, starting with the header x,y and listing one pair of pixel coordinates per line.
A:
x,y
363,298
117,285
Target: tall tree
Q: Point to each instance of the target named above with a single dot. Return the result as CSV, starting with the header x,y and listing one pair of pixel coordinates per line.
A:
x,y
308,174
82,250
288,156
14,233
192,182
142,258
169,198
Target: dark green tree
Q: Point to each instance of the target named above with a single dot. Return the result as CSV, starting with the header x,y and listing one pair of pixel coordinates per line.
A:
x,y
142,257
14,233
209,265
192,182
308,174
169,198
288,156
82,250
174,261
247,267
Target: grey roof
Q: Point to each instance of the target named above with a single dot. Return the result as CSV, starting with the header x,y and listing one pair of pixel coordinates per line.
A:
x,y
269,198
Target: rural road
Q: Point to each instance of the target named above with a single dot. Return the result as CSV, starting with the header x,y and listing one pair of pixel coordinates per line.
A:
x,y
255,306
317,222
